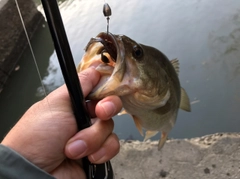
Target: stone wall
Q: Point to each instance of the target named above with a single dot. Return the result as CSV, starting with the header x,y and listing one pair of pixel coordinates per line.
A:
x,y
12,37
214,156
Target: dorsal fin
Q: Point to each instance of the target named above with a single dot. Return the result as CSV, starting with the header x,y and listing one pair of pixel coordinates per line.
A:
x,y
184,103
175,64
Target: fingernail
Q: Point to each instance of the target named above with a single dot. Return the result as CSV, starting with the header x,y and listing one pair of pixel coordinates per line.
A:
x,y
109,108
77,148
98,155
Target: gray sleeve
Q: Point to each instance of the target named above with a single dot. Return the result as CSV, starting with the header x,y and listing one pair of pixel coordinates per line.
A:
x,y
14,166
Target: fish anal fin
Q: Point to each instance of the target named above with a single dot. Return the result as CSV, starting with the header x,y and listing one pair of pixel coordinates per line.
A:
x,y
122,112
150,134
138,124
184,103
175,64
162,140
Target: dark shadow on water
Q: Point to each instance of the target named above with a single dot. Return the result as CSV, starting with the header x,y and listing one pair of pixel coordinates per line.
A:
x,y
20,91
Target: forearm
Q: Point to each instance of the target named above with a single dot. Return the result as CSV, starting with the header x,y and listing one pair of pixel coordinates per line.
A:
x,y
13,165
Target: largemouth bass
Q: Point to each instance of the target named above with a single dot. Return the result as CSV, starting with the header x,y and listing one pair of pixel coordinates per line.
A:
x,y
142,76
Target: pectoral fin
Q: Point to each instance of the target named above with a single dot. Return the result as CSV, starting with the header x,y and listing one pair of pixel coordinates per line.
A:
x,y
122,112
138,124
162,140
150,134
184,103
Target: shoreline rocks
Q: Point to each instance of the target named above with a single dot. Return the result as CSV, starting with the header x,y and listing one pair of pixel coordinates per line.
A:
x,y
214,156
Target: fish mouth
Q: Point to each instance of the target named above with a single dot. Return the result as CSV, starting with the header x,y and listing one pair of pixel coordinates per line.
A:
x,y
110,45
110,64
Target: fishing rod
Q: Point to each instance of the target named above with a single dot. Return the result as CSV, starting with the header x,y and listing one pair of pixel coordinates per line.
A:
x,y
65,58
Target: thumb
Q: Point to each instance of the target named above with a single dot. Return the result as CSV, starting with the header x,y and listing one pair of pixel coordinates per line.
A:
x,y
88,79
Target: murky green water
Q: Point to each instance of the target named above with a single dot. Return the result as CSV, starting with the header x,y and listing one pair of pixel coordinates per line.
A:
x,y
204,35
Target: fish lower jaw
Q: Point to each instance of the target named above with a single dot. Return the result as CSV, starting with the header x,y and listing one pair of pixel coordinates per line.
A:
x,y
103,92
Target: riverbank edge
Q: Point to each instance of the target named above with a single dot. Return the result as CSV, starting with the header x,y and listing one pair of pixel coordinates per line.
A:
x,y
12,36
215,156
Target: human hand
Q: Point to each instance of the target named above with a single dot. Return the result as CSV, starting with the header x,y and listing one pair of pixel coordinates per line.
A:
x,y
47,133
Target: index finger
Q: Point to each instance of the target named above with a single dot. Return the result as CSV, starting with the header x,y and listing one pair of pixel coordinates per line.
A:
x,y
88,79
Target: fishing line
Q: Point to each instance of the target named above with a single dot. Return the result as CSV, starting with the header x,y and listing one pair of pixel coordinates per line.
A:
x,y
30,46
33,55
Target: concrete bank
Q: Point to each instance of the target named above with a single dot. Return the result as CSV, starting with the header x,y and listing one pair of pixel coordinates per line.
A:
x,y
214,156
12,37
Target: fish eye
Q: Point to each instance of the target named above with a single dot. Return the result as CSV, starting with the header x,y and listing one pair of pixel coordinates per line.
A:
x,y
137,52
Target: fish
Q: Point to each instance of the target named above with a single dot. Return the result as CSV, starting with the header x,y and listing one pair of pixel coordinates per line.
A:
x,y
142,76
